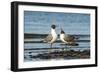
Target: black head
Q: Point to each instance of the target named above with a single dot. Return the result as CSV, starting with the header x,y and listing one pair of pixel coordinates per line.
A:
x,y
53,26
62,32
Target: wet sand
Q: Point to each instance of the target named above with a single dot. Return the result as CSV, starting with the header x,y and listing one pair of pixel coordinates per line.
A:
x,y
62,54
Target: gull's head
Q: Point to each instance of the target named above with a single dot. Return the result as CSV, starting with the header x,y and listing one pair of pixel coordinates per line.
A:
x,y
53,26
62,32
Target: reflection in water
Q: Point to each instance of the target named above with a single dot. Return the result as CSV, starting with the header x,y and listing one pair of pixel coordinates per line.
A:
x,y
37,22
41,51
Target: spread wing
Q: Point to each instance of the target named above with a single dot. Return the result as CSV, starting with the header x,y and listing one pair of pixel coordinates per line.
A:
x,y
48,38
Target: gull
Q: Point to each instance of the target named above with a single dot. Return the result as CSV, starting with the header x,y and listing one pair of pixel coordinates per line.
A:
x,y
52,37
68,39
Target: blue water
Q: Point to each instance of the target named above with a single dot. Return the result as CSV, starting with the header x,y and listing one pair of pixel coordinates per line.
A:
x,y
40,23
72,23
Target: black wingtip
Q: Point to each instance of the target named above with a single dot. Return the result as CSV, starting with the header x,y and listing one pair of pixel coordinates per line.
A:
x,y
74,44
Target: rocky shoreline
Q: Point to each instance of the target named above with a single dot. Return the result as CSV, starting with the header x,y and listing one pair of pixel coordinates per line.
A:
x,y
64,54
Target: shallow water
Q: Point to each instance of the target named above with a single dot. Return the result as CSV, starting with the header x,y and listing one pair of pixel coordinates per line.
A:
x,y
72,23
33,49
40,23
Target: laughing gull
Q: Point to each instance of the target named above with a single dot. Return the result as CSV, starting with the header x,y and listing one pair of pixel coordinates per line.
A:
x,y
51,38
68,39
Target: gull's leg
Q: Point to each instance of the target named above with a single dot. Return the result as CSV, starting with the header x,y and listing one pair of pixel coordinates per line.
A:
x,y
69,46
51,45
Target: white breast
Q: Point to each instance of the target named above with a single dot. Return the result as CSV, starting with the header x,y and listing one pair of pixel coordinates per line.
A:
x,y
54,34
62,38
